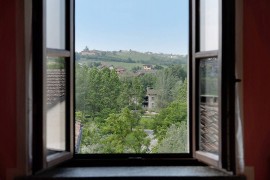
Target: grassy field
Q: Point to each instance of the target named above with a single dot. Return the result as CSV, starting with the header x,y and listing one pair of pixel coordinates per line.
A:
x,y
127,66
130,59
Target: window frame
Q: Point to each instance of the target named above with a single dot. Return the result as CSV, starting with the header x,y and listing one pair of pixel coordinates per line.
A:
x,y
41,160
226,92
227,160
140,159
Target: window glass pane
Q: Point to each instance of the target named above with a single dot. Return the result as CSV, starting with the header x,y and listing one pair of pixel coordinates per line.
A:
x,y
55,24
209,128
56,105
209,27
131,76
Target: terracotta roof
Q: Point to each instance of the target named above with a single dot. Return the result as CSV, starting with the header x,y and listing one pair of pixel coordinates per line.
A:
x,y
209,128
56,86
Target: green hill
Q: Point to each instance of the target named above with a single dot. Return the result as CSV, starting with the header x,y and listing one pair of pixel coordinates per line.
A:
x,y
133,57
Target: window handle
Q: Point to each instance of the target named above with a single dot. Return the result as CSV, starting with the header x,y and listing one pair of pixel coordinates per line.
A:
x,y
237,80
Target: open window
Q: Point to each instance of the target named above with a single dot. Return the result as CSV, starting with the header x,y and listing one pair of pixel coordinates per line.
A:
x,y
211,86
53,82
213,81
131,79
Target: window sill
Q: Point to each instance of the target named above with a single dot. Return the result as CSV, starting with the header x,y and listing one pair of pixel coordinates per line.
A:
x,y
135,172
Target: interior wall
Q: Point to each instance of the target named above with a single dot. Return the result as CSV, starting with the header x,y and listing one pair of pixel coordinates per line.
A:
x,y
257,86
8,86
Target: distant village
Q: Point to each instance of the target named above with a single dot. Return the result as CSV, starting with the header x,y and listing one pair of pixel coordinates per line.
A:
x,y
146,68
150,98
88,52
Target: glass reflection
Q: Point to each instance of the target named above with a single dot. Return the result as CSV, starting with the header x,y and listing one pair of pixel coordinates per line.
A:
x,y
55,27
209,111
209,25
56,105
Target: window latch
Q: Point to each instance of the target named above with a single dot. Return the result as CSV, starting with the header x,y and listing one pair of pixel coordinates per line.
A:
x,y
237,80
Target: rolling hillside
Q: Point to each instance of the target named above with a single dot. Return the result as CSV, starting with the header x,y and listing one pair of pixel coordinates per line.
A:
x,y
131,57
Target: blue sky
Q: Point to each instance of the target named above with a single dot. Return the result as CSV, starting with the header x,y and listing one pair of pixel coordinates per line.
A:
x,y
141,25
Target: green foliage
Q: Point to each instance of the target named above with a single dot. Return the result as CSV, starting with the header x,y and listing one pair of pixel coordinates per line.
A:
x,y
122,134
81,87
175,140
107,57
175,113
168,84
123,99
148,80
116,128
147,122
96,91
179,71
55,63
91,139
136,57
166,81
158,67
110,109
93,64
79,116
137,141
136,68
137,93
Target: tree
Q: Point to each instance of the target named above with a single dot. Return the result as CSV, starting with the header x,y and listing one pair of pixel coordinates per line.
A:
x,y
175,140
137,141
91,137
101,95
103,88
81,87
166,81
136,68
129,60
147,80
136,93
179,71
175,113
158,67
123,99
115,130
122,134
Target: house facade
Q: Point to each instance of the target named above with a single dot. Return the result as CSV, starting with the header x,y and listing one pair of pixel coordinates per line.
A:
x,y
150,99
147,67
